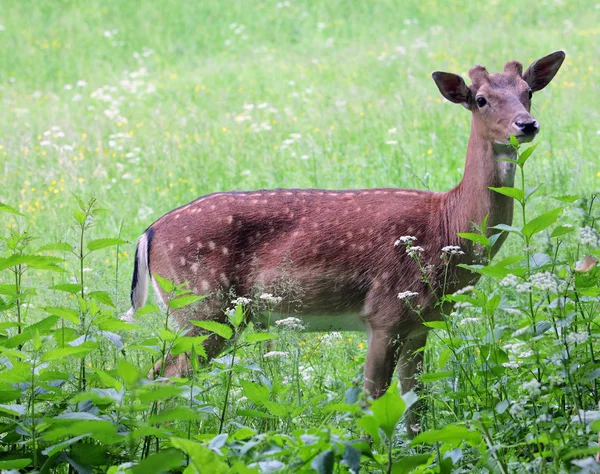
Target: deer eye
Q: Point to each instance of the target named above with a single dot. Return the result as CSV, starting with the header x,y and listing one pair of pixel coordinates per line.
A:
x,y
480,101
530,94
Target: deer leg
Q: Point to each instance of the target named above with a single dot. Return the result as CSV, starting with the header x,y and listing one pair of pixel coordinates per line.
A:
x,y
382,356
409,364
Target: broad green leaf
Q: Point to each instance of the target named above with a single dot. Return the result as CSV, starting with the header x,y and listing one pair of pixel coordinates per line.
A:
x,y
57,246
453,435
434,376
219,329
436,325
65,313
144,310
525,154
128,372
164,284
256,393
183,301
388,409
50,450
477,238
72,288
78,351
561,230
33,261
541,222
185,344
14,409
323,463
9,209
180,413
15,463
238,316
507,228
514,142
99,244
102,297
201,457
254,414
277,409
514,193
529,192
370,424
165,460
569,199
409,463
79,216
260,336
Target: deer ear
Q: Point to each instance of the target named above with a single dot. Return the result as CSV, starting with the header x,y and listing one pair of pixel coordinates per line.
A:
x,y
542,71
453,88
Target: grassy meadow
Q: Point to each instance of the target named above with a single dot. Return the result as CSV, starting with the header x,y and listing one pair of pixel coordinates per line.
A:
x,y
116,112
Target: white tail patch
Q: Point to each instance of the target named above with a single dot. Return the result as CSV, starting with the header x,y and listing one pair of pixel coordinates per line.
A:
x,y
139,291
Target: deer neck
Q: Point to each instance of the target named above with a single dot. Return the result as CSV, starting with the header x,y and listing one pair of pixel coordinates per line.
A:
x,y
470,201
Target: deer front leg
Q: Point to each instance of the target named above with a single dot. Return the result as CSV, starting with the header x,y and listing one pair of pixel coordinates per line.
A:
x,y
409,364
382,356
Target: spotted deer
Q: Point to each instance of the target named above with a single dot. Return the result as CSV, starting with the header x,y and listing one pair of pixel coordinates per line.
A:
x,y
339,246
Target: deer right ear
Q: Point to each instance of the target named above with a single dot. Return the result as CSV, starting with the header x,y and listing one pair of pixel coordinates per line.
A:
x,y
453,88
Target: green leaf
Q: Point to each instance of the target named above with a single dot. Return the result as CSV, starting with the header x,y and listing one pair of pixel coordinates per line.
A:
x,y
65,313
128,372
102,297
561,230
277,409
59,246
507,228
529,192
78,351
514,142
409,463
144,310
15,463
72,288
450,434
435,376
50,450
185,344
79,216
524,155
477,238
514,193
201,457
163,461
388,409
256,393
323,463
183,301
541,222
436,325
254,414
219,329
9,209
260,336
180,413
370,425
569,199
39,262
164,284
99,244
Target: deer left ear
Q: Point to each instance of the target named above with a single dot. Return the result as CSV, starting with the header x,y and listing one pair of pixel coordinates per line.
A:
x,y
453,88
542,71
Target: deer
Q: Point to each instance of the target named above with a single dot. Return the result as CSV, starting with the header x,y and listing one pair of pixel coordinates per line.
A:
x,y
338,246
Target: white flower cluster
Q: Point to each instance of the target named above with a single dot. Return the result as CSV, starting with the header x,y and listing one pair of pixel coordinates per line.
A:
x,y
523,287
241,300
452,250
270,299
291,323
509,280
414,251
533,387
577,337
330,337
407,294
468,320
466,289
275,354
405,239
589,236
510,365
544,281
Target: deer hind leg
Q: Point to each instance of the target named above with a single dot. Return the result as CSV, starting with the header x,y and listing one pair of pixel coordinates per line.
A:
x,y
382,356
410,363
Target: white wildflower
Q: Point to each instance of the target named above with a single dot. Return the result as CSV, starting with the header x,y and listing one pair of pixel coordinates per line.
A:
x,y
241,300
544,281
577,337
329,338
452,250
544,417
275,354
523,287
468,320
391,142
81,83
306,373
510,365
270,299
525,355
509,280
533,387
462,304
589,236
415,251
466,289
405,239
407,294
517,409
68,87
392,130
291,323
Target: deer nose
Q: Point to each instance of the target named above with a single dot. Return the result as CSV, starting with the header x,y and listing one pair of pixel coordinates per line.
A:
x,y
529,127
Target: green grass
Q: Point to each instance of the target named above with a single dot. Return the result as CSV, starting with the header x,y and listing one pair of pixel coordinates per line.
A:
x,y
212,110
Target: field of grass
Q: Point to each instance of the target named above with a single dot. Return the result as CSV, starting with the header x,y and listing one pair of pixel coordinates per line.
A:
x,y
144,106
